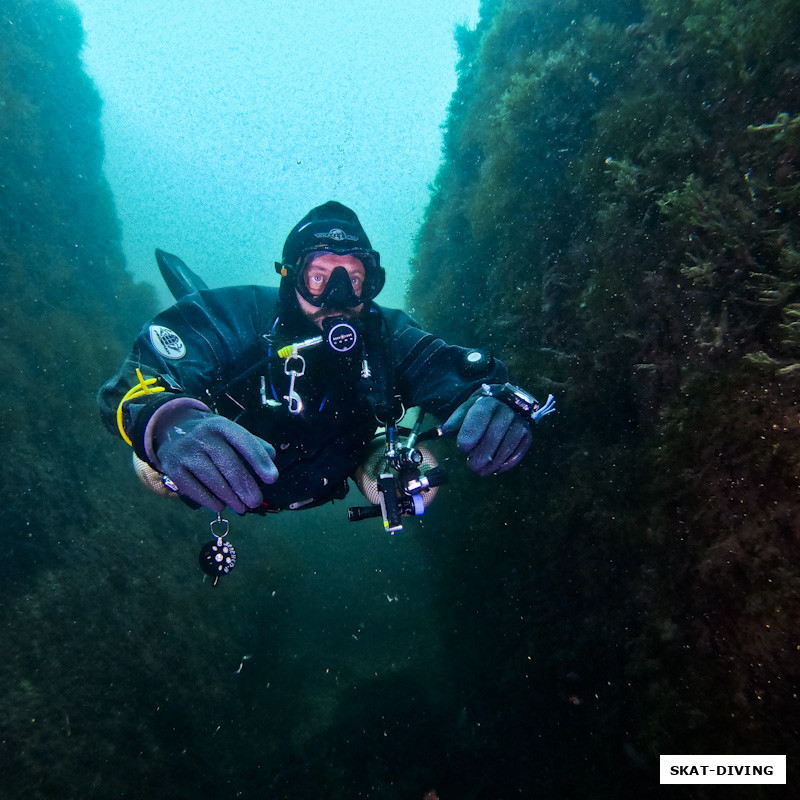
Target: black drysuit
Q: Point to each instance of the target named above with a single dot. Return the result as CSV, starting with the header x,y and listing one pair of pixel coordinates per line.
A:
x,y
220,346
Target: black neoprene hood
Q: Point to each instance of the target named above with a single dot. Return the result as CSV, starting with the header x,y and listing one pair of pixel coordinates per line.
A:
x,y
333,228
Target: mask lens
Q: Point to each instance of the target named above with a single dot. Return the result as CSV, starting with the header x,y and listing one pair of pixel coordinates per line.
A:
x,y
315,280
319,286
337,288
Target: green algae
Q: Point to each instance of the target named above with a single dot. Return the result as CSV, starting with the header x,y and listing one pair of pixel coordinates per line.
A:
x,y
625,185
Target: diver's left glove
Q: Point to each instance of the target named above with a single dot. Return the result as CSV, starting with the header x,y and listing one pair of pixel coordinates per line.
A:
x,y
492,434
210,458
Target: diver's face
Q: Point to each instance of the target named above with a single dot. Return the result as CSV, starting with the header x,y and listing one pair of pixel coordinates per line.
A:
x,y
316,279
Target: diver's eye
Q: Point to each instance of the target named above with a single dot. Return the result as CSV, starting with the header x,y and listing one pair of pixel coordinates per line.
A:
x,y
356,280
315,279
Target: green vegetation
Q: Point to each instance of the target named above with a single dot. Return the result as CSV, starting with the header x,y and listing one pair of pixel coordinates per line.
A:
x,y
617,213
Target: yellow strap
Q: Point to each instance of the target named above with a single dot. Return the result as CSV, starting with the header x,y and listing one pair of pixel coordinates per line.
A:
x,y
139,390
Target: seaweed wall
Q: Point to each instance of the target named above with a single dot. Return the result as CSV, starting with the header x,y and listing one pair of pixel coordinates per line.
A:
x,y
61,260
617,216
71,706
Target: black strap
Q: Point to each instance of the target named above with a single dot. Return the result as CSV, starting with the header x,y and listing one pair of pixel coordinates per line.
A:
x,y
380,354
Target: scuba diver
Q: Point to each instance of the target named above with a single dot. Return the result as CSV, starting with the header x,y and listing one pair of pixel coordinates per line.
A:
x,y
264,399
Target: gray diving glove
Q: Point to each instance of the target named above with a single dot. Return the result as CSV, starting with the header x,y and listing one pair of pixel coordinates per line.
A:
x,y
490,432
212,460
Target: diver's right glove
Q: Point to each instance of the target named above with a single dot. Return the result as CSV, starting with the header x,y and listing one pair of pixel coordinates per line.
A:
x,y
211,459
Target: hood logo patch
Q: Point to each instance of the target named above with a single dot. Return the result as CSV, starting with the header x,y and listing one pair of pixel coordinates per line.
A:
x,y
167,343
338,235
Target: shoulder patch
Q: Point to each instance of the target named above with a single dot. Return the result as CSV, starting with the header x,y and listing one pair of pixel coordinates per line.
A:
x,y
167,343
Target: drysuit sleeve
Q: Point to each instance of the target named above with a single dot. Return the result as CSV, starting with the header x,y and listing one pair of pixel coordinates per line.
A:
x,y
192,347
435,375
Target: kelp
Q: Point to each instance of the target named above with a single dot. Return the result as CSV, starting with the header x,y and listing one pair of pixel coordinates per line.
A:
x,y
617,216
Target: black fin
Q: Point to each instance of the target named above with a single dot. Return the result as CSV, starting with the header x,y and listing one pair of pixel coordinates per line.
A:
x,y
179,278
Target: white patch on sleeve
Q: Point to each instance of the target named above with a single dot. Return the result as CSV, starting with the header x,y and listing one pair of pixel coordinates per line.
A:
x,y
167,343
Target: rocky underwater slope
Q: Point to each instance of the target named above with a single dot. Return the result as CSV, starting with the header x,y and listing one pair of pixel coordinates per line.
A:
x,y
87,582
617,216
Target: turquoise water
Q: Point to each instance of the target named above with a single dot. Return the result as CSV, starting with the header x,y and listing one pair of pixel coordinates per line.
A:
x,y
225,122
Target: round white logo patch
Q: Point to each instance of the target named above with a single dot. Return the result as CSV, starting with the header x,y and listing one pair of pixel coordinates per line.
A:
x,y
167,343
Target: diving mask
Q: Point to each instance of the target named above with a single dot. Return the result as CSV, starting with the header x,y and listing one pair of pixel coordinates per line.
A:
x,y
338,291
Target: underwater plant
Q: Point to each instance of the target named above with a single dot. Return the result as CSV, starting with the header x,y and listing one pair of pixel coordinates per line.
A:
x,y
617,215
